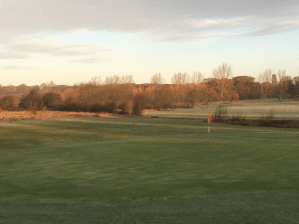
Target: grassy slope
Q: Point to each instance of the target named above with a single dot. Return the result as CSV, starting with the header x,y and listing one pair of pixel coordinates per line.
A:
x,y
88,170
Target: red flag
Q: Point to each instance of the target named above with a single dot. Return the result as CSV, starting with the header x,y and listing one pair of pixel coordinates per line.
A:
x,y
210,117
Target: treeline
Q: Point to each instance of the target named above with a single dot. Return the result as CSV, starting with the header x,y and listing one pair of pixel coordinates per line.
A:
x,y
120,95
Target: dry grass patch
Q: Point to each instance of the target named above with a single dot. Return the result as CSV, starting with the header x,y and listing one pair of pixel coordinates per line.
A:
x,y
6,116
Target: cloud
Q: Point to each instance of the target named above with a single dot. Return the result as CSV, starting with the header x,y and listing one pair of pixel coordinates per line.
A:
x,y
18,49
12,55
173,17
192,29
53,50
86,60
277,26
16,67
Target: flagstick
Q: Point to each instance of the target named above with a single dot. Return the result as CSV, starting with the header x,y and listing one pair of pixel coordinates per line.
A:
x,y
209,133
209,120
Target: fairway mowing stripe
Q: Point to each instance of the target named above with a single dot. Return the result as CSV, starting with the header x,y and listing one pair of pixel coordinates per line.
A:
x,y
236,127
67,145
162,125
13,124
144,124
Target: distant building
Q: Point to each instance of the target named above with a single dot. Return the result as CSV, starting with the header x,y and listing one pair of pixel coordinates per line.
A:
x,y
274,79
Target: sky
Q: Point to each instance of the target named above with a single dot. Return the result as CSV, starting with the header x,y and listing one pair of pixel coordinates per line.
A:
x,y
71,41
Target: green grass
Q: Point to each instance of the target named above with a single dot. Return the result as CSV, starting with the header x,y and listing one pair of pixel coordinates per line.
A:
x,y
88,170
251,109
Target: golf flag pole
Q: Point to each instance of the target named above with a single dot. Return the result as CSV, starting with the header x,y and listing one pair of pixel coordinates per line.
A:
x,y
210,118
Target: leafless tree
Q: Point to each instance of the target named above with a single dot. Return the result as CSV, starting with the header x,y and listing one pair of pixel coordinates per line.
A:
x,y
157,79
180,78
221,75
128,79
112,80
265,80
96,80
283,83
197,78
116,79
109,80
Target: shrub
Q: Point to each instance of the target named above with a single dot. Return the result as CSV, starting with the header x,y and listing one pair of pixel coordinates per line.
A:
x,y
10,102
52,99
32,101
138,104
264,122
69,107
128,108
220,113
98,108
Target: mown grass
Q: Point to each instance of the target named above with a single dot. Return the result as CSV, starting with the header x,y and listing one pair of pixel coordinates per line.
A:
x,y
251,109
146,170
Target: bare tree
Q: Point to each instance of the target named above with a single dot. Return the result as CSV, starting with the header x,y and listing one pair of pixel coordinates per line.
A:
x,y
96,80
127,79
221,75
265,79
52,84
116,79
283,83
180,78
197,78
109,80
112,80
157,79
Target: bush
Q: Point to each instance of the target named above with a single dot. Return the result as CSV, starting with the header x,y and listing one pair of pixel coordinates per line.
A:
x,y
138,104
98,108
220,113
10,102
52,100
112,107
263,122
128,108
69,107
32,101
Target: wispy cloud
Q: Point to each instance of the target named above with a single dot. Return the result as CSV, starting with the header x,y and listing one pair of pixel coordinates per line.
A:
x,y
12,55
274,26
16,67
18,49
86,60
54,50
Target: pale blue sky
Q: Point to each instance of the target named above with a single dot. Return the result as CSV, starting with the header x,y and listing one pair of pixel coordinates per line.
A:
x,y
70,41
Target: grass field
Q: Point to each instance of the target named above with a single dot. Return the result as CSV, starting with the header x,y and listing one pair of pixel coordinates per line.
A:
x,y
251,109
147,170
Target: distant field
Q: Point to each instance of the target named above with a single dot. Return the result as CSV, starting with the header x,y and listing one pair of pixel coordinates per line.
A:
x,y
146,170
251,109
